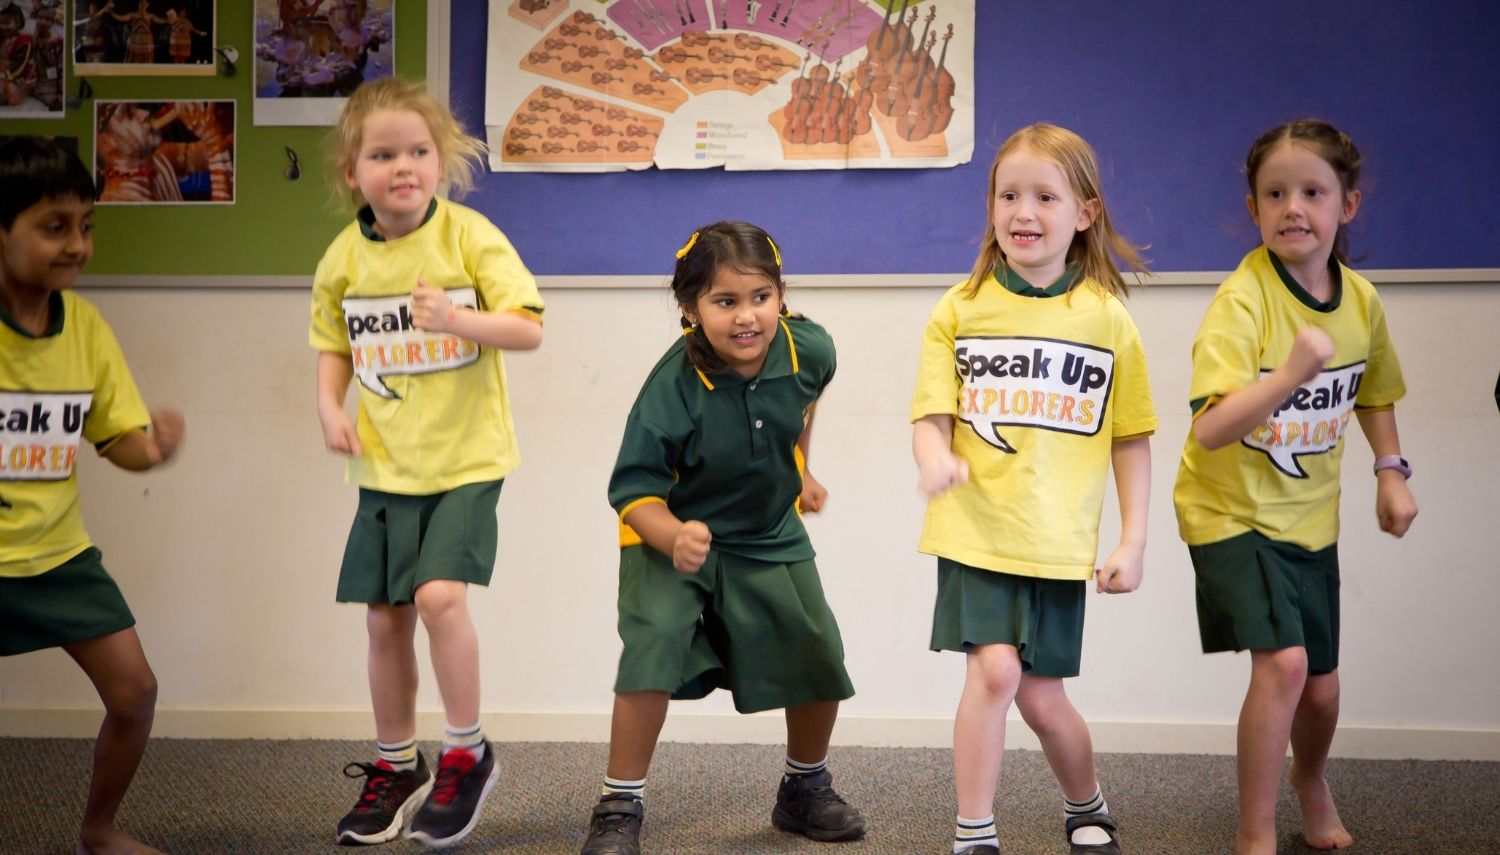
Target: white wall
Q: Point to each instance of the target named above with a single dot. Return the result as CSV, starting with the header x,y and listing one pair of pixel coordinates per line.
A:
x,y
229,557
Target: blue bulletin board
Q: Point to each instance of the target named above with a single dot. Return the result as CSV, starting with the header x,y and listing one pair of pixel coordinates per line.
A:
x,y
1170,92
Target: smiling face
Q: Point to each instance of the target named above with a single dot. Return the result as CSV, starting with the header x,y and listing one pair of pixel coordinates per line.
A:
x,y
1036,214
396,170
737,314
1299,204
47,246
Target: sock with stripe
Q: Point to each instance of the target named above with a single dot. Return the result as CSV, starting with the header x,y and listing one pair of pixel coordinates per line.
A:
x,y
469,738
975,832
1088,835
629,788
795,769
401,756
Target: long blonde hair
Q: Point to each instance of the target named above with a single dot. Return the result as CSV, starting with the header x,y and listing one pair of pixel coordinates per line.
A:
x,y
461,155
1094,250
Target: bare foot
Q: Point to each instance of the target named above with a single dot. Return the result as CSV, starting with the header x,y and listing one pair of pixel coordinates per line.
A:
x,y
1321,827
112,842
1251,844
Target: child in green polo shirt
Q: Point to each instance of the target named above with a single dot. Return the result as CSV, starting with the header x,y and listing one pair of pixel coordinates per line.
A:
x,y
717,582
64,382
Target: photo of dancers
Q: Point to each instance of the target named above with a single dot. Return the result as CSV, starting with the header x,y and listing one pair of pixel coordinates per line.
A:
x,y
311,54
143,37
164,152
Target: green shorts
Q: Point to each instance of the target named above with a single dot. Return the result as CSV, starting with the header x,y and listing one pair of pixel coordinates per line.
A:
x,y
74,601
760,629
1255,593
398,542
1041,618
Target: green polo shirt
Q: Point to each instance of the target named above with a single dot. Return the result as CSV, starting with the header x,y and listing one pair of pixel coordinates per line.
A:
x,y
722,448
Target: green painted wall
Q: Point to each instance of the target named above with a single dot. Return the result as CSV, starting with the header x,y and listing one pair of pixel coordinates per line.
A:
x,y
275,227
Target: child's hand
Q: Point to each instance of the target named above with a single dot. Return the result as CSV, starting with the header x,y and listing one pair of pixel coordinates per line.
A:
x,y
167,431
1121,571
431,310
339,434
1310,352
944,471
1394,506
690,549
814,494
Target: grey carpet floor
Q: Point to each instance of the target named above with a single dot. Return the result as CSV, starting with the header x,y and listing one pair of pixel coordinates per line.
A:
x,y
247,797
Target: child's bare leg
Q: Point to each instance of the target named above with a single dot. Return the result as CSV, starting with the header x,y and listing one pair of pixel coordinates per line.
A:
x,y
1276,681
444,607
117,666
1064,736
633,731
1313,725
809,728
990,684
393,671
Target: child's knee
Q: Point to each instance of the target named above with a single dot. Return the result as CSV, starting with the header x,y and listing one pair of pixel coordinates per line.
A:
x,y
132,697
441,599
1321,693
996,670
1284,669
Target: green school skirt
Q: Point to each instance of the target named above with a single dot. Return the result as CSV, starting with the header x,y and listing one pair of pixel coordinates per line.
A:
x,y
398,542
760,629
1255,593
74,601
1041,618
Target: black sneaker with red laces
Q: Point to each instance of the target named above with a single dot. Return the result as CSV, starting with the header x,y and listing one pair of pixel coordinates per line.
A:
x,y
388,798
453,807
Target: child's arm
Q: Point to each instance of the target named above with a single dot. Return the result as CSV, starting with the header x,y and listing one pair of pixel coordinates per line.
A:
x,y
431,310
139,450
334,373
1395,507
1121,571
814,494
687,542
1238,412
938,468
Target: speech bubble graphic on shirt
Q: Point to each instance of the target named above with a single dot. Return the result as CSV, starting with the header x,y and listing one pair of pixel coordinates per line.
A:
x,y
40,433
1031,382
384,341
1311,420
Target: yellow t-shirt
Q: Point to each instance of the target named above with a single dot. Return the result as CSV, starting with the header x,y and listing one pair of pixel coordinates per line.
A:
x,y
433,413
1039,389
57,390
1282,479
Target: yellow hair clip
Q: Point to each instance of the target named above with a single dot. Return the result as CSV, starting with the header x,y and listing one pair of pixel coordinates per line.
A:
x,y
687,247
774,251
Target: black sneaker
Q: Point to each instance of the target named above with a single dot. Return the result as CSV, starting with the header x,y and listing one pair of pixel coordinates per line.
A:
x,y
807,805
616,826
453,807
388,798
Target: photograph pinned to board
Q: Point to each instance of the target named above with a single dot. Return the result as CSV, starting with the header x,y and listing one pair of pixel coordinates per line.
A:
x,y
164,152
32,49
312,54
144,38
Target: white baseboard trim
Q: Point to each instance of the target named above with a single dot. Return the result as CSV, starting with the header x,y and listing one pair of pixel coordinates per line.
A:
x,y
1360,742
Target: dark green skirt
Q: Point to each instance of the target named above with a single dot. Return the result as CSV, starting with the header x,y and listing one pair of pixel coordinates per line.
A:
x,y
1041,618
1255,593
74,601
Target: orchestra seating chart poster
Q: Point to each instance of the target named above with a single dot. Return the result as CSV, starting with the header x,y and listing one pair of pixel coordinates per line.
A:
x,y
606,85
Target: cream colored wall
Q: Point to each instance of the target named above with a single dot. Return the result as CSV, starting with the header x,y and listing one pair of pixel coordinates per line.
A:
x,y
229,557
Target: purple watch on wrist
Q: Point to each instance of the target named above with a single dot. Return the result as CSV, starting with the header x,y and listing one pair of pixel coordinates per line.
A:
x,y
1393,461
